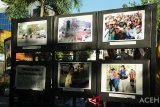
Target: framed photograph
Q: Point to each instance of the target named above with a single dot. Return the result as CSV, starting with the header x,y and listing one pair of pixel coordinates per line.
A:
x,y
76,29
121,28
32,33
30,77
74,78
124,79
7,49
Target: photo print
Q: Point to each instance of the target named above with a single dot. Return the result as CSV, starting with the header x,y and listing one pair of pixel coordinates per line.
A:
x,y
124,26
75,29
30,77
122,78
8,54
32,33
74,75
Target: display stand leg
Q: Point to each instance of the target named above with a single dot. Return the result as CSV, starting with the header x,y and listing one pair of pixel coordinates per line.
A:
x,y
104,104
123,105
74,101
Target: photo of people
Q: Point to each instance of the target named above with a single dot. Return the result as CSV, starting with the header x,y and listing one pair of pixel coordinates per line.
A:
x,y
75,29
8,54
123,26
122,78
32,33
74,75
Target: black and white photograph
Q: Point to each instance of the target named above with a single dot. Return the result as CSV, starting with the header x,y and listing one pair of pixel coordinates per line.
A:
x,y
75,29
74,75
124,26
32,33
30,77
122,78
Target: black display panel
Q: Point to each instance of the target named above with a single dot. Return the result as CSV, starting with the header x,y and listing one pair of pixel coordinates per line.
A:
x,y
77,78
75,31
127,80
125,28
33,33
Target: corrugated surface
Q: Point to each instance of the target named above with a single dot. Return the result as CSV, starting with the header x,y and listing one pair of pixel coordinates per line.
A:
x,y
4,23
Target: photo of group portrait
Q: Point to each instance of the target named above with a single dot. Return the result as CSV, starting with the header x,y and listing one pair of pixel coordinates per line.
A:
x,y
122,78
123,26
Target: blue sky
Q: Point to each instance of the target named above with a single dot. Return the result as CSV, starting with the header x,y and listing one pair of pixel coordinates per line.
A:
x,y
98,5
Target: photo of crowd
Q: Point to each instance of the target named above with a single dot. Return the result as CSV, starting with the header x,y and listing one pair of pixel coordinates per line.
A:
x,y
122,78
74,75
32,33
123,26
75,29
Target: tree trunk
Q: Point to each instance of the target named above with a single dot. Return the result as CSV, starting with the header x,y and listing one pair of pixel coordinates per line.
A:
x,y
42,8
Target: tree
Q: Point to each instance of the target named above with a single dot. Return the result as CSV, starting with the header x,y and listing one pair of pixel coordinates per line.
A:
x,y
145,2
19,8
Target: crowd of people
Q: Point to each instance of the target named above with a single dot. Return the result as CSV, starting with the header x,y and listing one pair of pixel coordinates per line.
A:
x,y
122,26
118,80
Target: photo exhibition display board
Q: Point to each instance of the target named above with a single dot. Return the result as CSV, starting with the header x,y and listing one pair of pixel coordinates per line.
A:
x,y
32,33
30,77
124,79
75,31
75,77
127,27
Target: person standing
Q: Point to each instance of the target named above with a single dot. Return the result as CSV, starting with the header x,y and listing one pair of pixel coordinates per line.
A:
x,y
123,77
132,76
111,81
69,77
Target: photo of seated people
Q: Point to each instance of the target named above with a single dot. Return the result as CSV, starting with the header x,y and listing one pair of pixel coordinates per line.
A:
x,y
123,26
123,78
74,75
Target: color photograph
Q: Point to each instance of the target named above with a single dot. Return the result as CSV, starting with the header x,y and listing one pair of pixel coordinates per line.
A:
x,y
32,33
75,75
75,29
124,26
7,48
122,78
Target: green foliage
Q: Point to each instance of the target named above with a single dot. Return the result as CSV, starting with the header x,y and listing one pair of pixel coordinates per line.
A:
x,y
19,8
1,47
